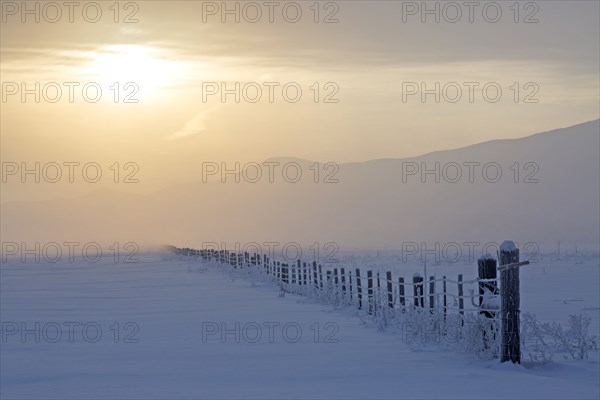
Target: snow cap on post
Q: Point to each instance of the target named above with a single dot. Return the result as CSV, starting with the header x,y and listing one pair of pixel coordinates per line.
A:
x,y
487,256
508,246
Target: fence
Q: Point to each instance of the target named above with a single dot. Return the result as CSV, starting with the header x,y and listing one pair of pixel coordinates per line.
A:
x,y
386,297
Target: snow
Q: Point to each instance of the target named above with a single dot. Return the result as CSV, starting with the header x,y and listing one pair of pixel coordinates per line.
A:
x,y
171,300
508,245
488,256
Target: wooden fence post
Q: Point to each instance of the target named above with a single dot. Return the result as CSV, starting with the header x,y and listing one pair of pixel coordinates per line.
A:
x,y
304,273
445,299
461,298
358,289
378,299
343,279
509,286
401,292
315,279
285,273
321,276
418,290
350,285
431,293
278,270
388,277
335,279
488,294
370,290
299,271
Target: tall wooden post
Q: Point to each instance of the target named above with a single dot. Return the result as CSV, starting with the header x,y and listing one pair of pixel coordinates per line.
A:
x,y
390,293
285,277
509,286
335,280
431,293
488,294
321,276
401,292
370,290
444,297
278,270
299,270
315,278
418,290
358,289
305,274
378,298
461,298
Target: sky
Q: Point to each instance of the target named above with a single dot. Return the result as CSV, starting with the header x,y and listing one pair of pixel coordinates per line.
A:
x,y
354,73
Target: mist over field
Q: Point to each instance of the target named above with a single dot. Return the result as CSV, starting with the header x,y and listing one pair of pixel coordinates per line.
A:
x,y
541,188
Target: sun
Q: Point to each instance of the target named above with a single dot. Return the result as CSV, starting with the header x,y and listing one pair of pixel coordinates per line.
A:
x,y
148,67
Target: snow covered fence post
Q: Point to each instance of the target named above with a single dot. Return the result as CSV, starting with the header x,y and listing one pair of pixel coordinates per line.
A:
x,y
378,300
321,277
370,290
431,293
315,278
278,274
401,292
358,289
418,290
285,277
351,297
461,298
390,293
488,295
509,285
444,297
335,281
295,272
305,273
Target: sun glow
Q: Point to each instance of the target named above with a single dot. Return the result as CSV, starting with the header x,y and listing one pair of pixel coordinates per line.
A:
x,y
148,67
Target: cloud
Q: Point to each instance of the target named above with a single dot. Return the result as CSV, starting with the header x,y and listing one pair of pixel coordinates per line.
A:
x,y
194,126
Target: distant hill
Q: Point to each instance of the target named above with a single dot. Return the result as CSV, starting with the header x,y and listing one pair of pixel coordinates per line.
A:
x,y
372,206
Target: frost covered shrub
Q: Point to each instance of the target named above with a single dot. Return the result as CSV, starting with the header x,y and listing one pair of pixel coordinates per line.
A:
x,y
534,340
542,340
470,333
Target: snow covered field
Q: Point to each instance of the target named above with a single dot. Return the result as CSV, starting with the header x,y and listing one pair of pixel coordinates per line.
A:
x,y
153,330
